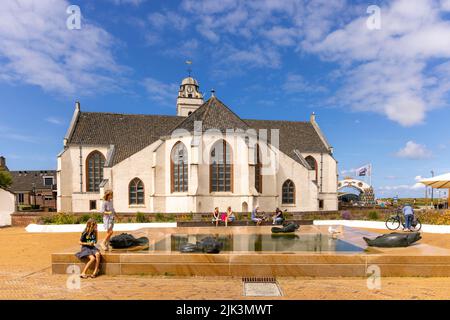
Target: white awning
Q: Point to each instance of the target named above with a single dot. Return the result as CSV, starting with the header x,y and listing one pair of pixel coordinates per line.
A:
x,y
438,182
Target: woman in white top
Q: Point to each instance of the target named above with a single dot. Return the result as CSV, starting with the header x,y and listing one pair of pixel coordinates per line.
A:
x,y
108,218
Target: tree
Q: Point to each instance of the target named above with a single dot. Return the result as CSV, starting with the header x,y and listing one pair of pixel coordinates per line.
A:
x,y
5,179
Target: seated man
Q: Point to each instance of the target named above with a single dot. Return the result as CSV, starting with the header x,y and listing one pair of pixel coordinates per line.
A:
x,y
255,216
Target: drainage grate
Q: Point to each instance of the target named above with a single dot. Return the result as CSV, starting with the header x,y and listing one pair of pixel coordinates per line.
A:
x,y
261,287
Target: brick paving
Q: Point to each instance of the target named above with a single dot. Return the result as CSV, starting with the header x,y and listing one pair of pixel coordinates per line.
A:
x,y
25,274
43,285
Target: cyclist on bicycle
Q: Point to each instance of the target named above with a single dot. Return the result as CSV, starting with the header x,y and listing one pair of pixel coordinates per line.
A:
x,y
408,212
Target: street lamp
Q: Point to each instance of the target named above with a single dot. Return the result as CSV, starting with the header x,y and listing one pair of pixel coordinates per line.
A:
x,y
432,201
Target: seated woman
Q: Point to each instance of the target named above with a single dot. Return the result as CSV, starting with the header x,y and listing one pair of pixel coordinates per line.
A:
x,y
216,216
278,217
255,216
230,217
88,241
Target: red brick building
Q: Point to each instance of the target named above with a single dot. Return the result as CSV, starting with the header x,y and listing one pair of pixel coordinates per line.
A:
x,y
33,187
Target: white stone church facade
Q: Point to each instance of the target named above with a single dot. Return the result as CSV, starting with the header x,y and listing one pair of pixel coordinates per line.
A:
x,y
204,157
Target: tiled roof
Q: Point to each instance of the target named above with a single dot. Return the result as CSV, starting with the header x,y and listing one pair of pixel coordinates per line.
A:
x,y
23,180
294,135
128,133
132,133
214,115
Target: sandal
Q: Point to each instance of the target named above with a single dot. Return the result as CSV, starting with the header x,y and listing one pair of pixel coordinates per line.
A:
x,y
83,276
94,275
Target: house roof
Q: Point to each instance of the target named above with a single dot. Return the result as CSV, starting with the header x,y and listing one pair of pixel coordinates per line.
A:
x,y
23,180
131,133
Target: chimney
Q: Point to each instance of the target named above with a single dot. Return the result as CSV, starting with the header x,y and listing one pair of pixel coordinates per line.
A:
x,y
77,105
312,118
2,162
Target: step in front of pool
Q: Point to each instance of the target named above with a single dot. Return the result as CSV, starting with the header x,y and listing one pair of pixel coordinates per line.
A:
x,y
261,264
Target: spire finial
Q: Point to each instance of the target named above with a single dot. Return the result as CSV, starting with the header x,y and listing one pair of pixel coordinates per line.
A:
x,y
189,70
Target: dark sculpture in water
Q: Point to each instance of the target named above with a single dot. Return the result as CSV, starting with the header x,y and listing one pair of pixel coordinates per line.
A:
x,y
128,241
392,240
287,228
207,245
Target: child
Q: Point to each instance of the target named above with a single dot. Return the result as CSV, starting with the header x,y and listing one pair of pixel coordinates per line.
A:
x,y
108,218
87,241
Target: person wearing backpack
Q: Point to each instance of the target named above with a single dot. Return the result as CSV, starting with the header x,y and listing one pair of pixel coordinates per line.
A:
x,y
88,241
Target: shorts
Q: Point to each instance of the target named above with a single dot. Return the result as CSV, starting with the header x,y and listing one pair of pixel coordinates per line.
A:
x,y
108,222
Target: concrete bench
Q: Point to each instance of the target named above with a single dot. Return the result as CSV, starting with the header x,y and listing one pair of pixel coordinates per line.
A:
x,y
237,223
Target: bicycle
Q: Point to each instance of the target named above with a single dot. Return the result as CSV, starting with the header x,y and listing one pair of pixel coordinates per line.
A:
x,y
394,222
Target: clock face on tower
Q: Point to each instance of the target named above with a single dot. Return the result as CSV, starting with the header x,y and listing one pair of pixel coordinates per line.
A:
x,y
190,89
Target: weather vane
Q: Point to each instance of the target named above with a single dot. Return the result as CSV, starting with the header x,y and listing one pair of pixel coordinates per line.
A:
x,y
189,63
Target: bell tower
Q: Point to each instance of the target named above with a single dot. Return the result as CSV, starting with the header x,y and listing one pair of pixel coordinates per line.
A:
x,y
189,97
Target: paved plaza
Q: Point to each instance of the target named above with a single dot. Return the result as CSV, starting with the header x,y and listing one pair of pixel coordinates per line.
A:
x,y
25,273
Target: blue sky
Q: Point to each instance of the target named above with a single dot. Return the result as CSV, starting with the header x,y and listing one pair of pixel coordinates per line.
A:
x,y
381,96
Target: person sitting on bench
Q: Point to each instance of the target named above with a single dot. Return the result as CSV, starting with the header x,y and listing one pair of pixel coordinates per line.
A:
x,y
216,216
255,216
278,217
230,217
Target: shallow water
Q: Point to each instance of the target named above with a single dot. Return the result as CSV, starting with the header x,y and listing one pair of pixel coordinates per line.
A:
x,y
262,242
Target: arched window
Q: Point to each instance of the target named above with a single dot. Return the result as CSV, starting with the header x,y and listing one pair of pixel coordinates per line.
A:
x,y
136,192
288,192
94,171
179,168
258,166
313,164
221,168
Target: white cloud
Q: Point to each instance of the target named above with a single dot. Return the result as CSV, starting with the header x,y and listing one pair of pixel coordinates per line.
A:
x,y
38,49
11,134
414,151
386,70
168,19
162,93
401,71
416,186
54,120
133,2
296,83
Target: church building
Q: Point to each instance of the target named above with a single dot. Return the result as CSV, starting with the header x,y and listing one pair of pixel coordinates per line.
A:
x,y
204,157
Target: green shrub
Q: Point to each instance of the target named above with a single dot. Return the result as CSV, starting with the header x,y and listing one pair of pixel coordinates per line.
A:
x,y
435,217
141,218
373,215
24,207
97,217
84,218
46,220
160,217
